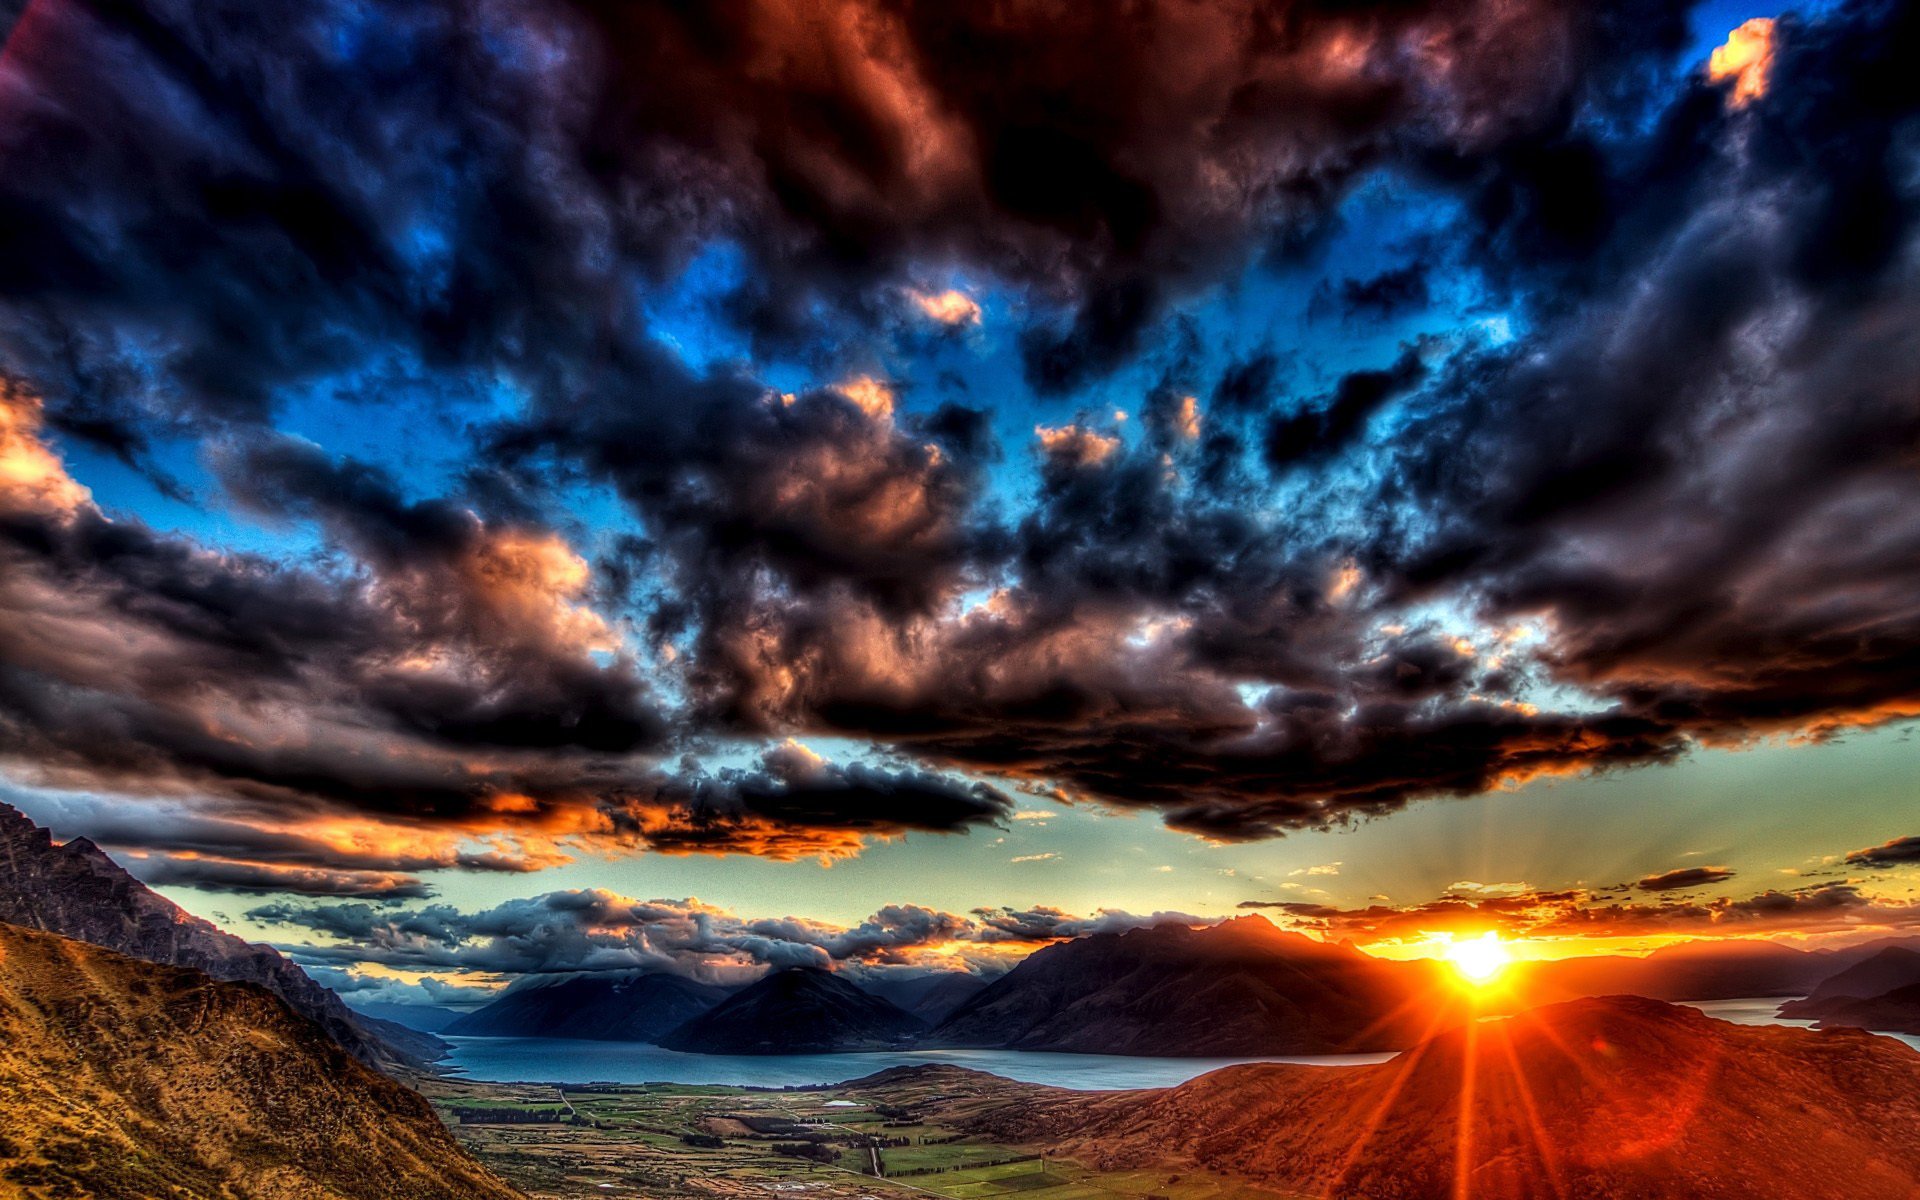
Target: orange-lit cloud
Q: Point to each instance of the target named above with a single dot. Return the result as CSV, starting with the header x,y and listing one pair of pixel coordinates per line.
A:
x,y
952,308
1746,58
1569,918
872,396
1075,445
31,474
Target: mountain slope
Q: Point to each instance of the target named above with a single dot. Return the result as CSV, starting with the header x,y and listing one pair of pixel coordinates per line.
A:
x,y
1240,988
1894,967
76,890
928,997
796,1011
620,1007
420,1018
1894,1011
1702,970
127,1080
1619,1098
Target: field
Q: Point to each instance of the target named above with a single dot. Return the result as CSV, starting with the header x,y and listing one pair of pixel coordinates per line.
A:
x,y
671,1141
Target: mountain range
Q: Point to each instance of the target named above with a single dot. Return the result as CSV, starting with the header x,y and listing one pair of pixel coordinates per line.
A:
x,y
1881,992
799,1010
1619,1098
128,1080
627,1006
75,890
1241,988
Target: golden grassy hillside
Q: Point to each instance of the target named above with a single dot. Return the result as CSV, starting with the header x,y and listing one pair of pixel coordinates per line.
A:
x,y
123,1080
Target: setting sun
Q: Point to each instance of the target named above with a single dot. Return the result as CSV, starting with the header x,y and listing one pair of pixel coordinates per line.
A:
x,y
1479,959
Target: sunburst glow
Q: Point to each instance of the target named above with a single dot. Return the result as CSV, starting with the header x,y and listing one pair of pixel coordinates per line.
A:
x,y
1479,960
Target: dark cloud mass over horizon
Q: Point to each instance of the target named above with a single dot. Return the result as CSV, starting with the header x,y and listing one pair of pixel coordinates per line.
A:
x,y
545,427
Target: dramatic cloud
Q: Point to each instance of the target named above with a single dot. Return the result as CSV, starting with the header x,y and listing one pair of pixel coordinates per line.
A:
x,y
1895,853
215,875
708,476
452,678
1684,877
1837,906
597,930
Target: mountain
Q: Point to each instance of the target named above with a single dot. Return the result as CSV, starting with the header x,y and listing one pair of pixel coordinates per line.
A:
x,y
800,1010
1893,1011
131,1080
624,1006
1880,992
77,891
1700,970
929,997
1894,967
1620,1098
1242,987
421,1018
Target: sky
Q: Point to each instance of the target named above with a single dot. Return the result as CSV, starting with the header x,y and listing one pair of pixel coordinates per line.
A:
x,y
496,488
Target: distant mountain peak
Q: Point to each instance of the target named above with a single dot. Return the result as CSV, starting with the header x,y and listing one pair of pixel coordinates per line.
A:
x,y
1242,987
796,1010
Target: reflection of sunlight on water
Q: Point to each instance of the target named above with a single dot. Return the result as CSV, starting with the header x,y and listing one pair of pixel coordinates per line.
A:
x,y
1762,1010
556,1060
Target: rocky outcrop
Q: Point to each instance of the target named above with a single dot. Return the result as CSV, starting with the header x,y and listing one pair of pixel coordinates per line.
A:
x,y
76,890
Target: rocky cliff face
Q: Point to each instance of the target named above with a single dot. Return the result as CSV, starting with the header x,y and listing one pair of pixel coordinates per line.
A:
x,y
77,891
126,1080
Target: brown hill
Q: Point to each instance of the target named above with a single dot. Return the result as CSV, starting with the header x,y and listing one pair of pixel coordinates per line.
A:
x,y
77,891
1611,1099
1242,988
125,1080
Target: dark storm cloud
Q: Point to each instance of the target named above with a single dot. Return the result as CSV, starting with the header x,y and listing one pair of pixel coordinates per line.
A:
x,y
1672,503
794,802
1894,853
215,875
1703,472
203,206
450,679
1323,430
1684,877
1388,294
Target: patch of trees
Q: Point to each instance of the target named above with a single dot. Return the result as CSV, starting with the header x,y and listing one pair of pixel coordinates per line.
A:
x,y
818,1152
771,1126
965,1166
516,1116
705,1141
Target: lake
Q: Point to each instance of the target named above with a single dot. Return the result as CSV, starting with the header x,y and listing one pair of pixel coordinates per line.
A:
x,y
558,1060
1760,1011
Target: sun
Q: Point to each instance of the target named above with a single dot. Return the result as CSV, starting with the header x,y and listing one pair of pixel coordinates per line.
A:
x,y
1479,960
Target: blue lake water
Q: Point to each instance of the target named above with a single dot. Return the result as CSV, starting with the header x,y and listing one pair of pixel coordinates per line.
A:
x,y
557,1060
1760,1012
